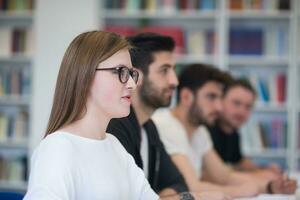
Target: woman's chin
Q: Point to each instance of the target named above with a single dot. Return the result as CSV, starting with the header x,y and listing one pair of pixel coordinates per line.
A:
x,y
122,113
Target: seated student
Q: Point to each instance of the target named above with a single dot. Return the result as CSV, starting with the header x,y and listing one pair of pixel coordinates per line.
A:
x,y
188,142
153,56
77,159
238,100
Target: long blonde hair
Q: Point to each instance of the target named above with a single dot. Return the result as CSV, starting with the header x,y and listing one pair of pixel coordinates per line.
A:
x,y
76,74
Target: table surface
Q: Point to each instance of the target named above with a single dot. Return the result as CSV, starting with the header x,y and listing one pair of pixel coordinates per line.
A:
x,y
270,197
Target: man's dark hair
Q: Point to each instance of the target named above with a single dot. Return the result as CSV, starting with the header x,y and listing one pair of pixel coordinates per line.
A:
x,y
194,76
144,45
240,82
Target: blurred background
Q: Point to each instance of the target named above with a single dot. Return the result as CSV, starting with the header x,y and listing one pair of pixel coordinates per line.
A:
x,y
255,39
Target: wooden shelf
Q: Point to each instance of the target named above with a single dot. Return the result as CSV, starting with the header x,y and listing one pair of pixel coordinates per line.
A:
x,y
20,186
260,14
16,18
187,58
15,100
14,144
268,107
258,60
267,153
16,59
138,14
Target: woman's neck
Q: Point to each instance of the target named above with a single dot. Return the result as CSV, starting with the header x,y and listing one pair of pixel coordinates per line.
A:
x,y
92,125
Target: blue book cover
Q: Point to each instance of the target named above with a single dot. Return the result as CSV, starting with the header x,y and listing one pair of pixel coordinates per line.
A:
x,y
246,41
263,90
207,4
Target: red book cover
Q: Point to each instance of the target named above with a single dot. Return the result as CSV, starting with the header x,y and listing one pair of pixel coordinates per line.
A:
x,y
175,32
183,5
281,87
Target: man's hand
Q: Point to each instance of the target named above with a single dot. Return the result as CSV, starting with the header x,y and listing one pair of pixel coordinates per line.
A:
x,y
275,169
211,195
283,186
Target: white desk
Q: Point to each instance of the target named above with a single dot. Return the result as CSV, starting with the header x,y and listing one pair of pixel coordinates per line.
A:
x,y
270,197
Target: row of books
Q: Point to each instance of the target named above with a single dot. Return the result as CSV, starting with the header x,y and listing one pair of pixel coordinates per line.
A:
x,y
271,88
195,42
15,82
255,41
14,127
13,169
259,41
160,5
15,41
177,33
259,4
260,134
174,5
16,5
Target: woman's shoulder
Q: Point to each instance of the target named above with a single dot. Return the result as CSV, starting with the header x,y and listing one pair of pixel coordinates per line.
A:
x,y
113,139
56,144
58,139
116,143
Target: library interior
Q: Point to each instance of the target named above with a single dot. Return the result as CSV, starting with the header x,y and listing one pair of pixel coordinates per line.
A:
x,y
253,40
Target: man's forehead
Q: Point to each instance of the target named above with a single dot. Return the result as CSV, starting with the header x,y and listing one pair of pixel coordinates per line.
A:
x,y
212,86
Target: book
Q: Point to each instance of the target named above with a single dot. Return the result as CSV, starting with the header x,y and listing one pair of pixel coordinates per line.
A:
x,y
281,88
196,43
3,128
132,5
5,41
16,5
264,132
284,5
236,4
20,127
207,5
246,41
169,6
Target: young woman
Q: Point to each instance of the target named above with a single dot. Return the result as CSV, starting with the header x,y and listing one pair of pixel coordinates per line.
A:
x,y
77,159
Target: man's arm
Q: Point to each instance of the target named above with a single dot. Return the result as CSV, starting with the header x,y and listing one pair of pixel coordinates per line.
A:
x,y
169,175
186,168
246,164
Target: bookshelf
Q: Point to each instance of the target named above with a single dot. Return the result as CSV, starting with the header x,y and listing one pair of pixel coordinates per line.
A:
x,y
297,92
269,60
16,51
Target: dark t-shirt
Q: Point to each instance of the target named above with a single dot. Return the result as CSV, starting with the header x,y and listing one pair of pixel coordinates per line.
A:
x,y
226,145
163,173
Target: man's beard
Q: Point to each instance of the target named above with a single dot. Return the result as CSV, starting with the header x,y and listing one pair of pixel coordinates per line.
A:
x,y
195,115
151,97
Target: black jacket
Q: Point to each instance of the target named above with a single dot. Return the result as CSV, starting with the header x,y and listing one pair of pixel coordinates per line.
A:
x,y
162,171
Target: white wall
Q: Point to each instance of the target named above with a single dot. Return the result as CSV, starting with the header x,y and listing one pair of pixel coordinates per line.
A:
x,y
57,22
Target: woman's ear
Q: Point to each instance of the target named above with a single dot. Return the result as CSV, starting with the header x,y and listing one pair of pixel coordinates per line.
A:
x,y
186,97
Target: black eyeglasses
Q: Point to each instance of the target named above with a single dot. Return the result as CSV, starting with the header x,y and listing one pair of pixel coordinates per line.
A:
x,y
124,73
